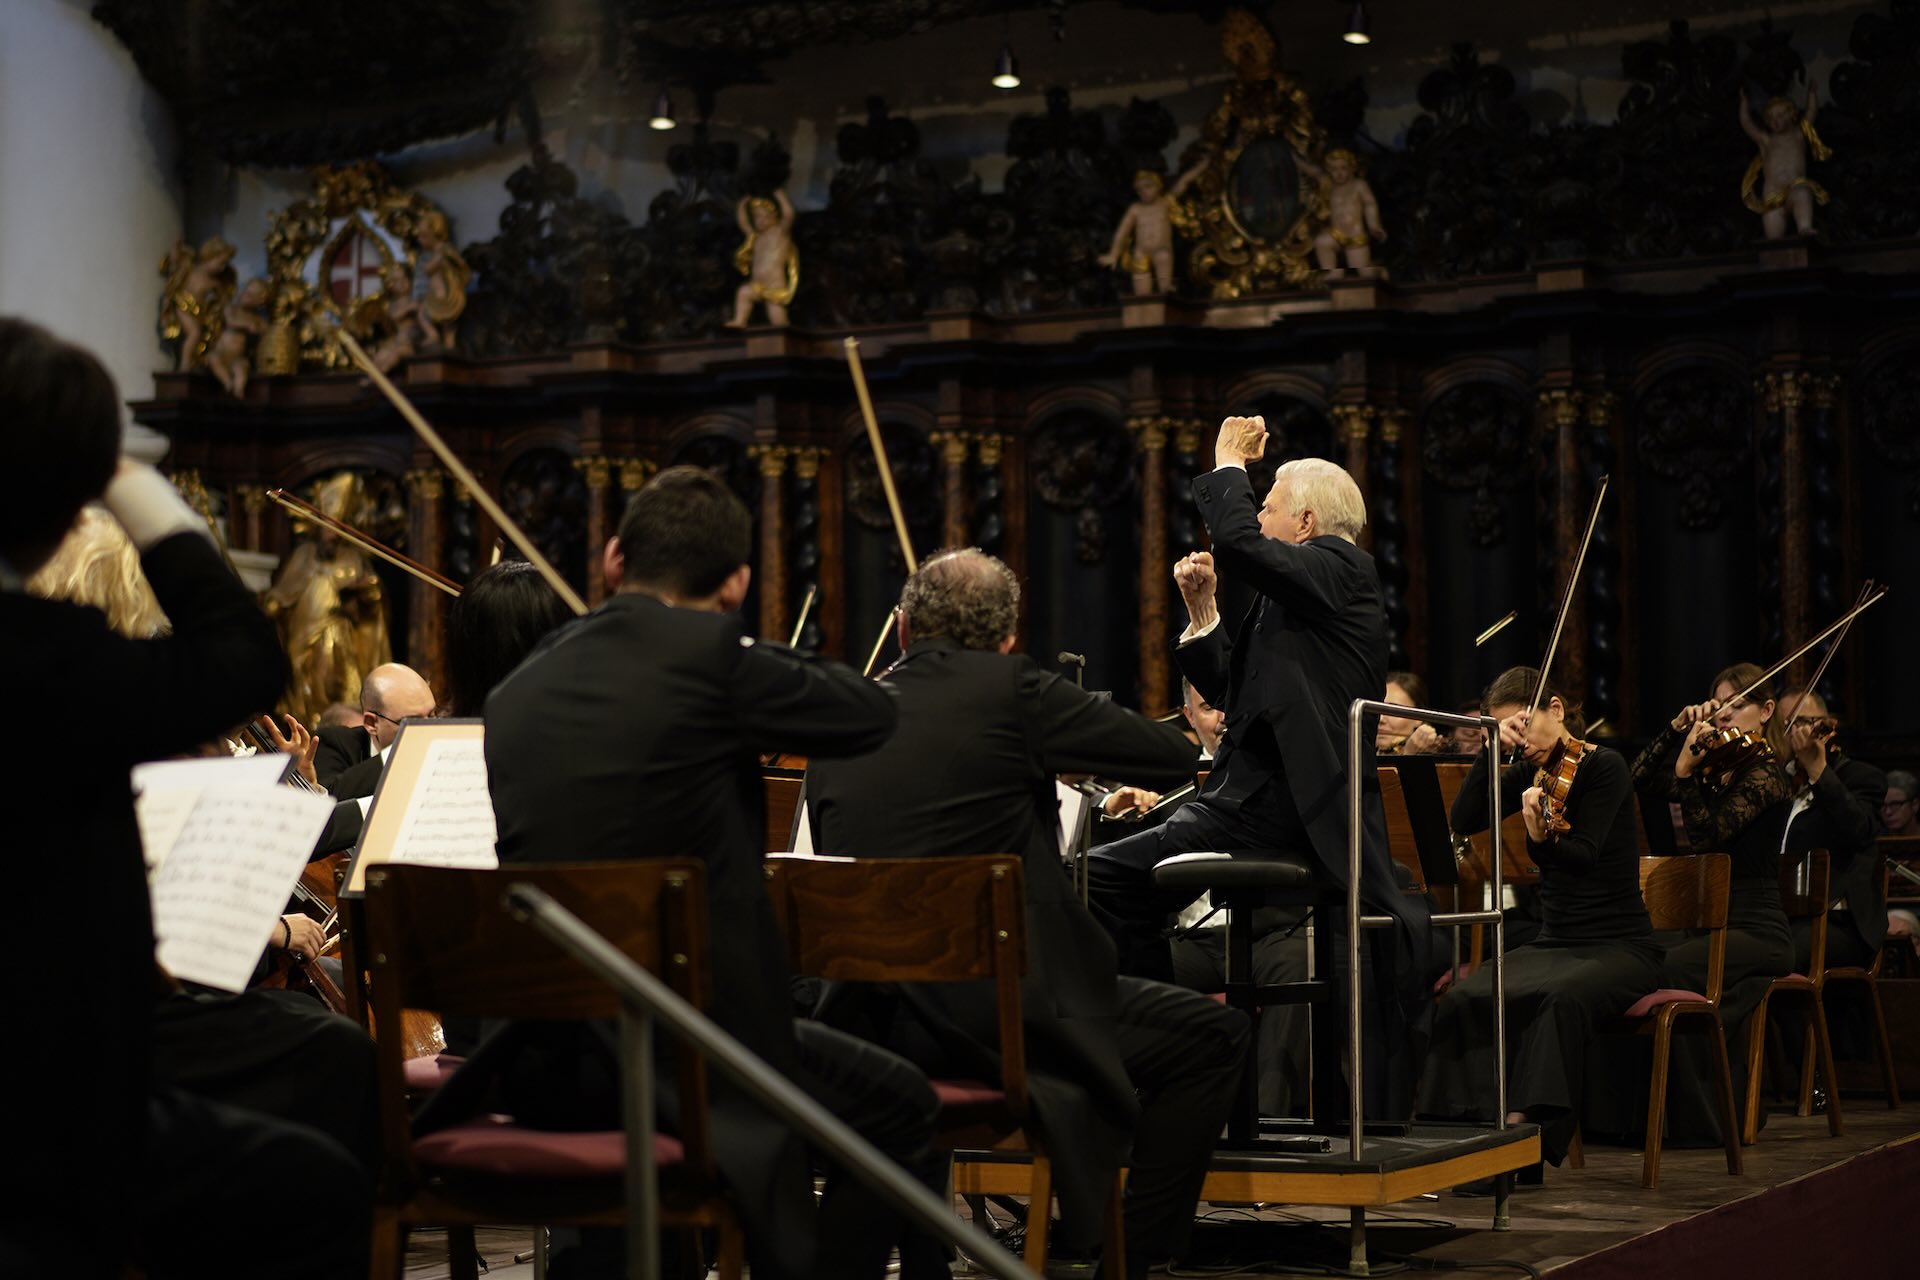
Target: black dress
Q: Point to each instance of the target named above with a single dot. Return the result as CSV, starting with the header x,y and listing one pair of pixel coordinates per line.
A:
x,y
1593,957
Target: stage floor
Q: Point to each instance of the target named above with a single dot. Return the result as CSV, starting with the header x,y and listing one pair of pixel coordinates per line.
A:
x,y
1577,1213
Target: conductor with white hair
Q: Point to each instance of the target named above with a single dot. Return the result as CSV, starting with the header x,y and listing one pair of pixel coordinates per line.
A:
x,y
1314,640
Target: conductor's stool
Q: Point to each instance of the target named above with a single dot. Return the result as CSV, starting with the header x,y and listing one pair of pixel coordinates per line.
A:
x,y
1240,885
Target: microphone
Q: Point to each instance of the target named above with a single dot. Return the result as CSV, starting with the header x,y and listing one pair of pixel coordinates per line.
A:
x,y
1078,661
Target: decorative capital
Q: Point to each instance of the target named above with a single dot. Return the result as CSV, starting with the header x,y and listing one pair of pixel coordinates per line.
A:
x,y
771,457
1351,422
598,471
1600,408
635,472
1826,390
806,461
1186,436
953,446
1393,426
990,446
1561,407
1152,432
428,484
253,498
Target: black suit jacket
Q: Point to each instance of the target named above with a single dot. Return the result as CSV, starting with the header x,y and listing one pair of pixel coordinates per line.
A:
x,y
1843,819
1315,640
971,770
636,732
340,749
77,928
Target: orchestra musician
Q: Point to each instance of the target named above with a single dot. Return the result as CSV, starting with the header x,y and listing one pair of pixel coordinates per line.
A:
x,y
1836,807
348,761
1313,642
635,732
1398,735
983,733
109,1165
500,618
1594,954
1900,811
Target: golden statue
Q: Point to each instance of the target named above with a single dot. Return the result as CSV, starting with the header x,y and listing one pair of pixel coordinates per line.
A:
x,y
1263,101
767,258
199,285
446,274
328,603
1782,162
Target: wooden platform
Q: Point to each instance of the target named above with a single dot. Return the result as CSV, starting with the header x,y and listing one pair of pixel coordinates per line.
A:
x,y
1579,1212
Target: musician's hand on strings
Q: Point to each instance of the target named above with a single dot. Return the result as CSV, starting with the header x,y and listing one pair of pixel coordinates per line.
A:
x,y
295,742
301,937
1513,732
1241,440
1809,747
1128,802
1696,714
1424,740
1531,814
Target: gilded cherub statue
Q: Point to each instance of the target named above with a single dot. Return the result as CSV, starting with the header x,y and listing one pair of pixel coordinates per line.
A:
x,y
767,258
1780,170
1143,242
1353,215
445,272
242,322
328,602
199,283
412,330
1263,100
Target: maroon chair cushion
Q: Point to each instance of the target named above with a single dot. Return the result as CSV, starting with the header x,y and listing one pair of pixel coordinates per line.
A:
x,y
966,1093
1647,1003
424,1075
495,1145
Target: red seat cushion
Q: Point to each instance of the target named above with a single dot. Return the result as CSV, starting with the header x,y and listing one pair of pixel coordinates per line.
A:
x,y
1647,1003
966,1093
424,1075
495,1145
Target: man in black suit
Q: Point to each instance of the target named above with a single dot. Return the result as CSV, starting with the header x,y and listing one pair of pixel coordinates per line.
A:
x,y
1837,809
1314,641
347,761
106,1165
983,734
636,732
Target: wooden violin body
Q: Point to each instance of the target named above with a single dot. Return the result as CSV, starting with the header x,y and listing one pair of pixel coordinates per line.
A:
x,y
1555,780
1724,753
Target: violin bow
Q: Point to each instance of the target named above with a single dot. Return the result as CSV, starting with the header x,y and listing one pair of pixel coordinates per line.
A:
x,y
1869,597
1566,598
424,429
372,546
859,374
1496,628
806,607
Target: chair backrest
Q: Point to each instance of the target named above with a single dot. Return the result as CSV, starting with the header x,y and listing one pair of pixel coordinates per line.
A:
x,y
1400,841
783,801
444,940
1475,854
917,920
1691,892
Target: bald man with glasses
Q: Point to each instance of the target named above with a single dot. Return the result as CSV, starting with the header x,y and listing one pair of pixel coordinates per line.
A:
x,y
348,760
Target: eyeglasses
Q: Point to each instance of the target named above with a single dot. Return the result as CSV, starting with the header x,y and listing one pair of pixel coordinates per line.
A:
x,y
378,716
1896,804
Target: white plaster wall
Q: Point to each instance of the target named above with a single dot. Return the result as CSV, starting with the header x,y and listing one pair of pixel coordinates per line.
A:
x,y
89,200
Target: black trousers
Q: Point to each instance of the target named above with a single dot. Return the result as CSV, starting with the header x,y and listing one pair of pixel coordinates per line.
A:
x,y
279,1053
1281,1037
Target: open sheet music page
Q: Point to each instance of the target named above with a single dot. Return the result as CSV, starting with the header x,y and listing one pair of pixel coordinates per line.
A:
x,y
164,792
224,881
1073,813
433,807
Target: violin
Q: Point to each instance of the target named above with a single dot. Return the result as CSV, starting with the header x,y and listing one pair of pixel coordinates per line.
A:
x,y
1725,753
1555,780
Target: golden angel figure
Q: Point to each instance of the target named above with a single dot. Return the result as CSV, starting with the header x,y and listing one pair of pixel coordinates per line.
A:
x,y
330,607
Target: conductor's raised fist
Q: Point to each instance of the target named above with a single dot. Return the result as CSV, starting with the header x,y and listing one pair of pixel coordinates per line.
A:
x,y
1240,441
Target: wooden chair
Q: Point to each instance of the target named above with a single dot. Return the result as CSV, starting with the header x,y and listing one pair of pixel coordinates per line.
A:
x,y
1684,893
442,939
1803,896
934,920
783,802
1869,977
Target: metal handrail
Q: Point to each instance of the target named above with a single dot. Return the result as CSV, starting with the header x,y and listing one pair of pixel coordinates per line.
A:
x,y
1361,708
645,999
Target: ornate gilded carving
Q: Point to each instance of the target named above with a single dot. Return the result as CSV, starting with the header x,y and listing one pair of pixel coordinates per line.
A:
x,y
990,447
331,256
1694,427
770,458
426,484
597,470
1474,437
635,472
547,498
1250,211
806,461
953,446
1352,422
1150,432
916,477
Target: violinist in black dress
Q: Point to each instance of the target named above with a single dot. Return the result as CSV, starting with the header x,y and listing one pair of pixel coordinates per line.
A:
x,y
1594,955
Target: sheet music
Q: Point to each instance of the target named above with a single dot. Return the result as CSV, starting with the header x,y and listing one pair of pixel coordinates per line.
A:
x,y
449,816
1073,811
165,792
218,895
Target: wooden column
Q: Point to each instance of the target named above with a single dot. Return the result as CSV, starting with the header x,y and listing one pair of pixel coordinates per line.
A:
x,y
1150,436
1796,541
1400,557
953,446
1351,427
427,604
805,558
253,501
598,473
1560,411
772,572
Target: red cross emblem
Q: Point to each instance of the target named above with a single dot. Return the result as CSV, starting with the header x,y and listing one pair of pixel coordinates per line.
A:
x,y
354,270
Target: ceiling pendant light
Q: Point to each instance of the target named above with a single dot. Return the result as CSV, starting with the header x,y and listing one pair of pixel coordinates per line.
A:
x,y
1358,28
662,117
1006,71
